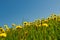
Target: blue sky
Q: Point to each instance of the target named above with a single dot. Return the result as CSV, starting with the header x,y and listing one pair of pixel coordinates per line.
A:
x,y
16,11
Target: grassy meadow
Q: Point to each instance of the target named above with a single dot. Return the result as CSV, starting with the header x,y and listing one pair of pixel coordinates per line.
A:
x,y
40,29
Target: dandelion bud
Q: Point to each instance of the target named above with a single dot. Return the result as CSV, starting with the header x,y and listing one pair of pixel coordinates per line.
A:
x,y
13,24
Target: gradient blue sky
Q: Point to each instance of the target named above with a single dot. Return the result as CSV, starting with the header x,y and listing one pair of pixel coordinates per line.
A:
x,y
16,11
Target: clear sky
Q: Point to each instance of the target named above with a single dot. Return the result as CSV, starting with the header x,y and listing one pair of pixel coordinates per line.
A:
x,y
16,11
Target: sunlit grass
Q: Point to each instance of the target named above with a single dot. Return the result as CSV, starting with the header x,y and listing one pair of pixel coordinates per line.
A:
x,y
47,29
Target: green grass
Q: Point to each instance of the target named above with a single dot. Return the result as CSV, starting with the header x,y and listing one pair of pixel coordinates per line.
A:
x,y
32,33
52,32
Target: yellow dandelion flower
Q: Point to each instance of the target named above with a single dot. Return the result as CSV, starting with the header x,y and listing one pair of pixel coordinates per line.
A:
x,y
37,25
52,15
3,35
2,30
44,24
18,27
49,18
26,23
46,21
54,18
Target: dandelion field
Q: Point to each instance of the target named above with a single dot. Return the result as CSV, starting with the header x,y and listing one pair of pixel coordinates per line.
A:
x,y
44,29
